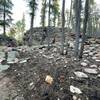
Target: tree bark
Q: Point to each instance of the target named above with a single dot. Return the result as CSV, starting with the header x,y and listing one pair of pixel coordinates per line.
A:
x,y
4,23
84,27
48,40
31,28
77,29
44,11
63,24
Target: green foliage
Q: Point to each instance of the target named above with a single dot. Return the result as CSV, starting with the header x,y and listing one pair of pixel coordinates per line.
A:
x,y
18,29
5,13
32,4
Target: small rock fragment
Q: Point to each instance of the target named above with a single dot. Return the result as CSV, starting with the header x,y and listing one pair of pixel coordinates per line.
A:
x,y
84,64
75,90
23,61
31,84
99,75
49,79
74,97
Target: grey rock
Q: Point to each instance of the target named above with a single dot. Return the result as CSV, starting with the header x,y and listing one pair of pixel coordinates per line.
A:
x,y
91,71
81,74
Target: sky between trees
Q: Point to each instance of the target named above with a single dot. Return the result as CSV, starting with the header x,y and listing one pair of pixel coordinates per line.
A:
x,y
20,8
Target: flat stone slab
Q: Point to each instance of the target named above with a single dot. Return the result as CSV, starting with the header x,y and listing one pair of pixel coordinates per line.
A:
x,y
91,71
81,74
3,67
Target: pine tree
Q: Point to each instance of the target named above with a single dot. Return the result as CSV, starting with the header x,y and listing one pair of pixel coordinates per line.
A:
x,y
43,12
33,7
86,15
5,12
77,29
55,10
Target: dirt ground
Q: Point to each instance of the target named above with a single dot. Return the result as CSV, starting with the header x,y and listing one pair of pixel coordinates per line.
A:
x,y
26,80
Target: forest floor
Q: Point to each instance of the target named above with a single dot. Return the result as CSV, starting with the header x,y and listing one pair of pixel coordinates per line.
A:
x,y
41,74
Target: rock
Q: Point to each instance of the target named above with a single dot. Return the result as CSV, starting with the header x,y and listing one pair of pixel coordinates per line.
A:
x,y
85,60
31,86
31,83
74,97
49,79
94,58
23,61
92,48
55,50
97,60
81,74
91,53
91,71
86,55
93,66
75,90
86,51
4,67
13,61
84,64
1,60
99,75
19,98
71,44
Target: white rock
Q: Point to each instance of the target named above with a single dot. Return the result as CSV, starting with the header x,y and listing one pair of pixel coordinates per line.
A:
x,y
93,66
23,61
99,75
58,99
94,58
85,60
71,44
84,64
31,84
55,50
86,51
91,71
49,79
74,97
97,60
75,90
85,54
80,74
65,66
91,53
4,67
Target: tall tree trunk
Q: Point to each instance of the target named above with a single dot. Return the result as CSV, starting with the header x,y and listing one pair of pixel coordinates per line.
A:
x,y
77,29
31,28
84,27
48,40
63,24
4,18
54,20
32,21
70,16
44,11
